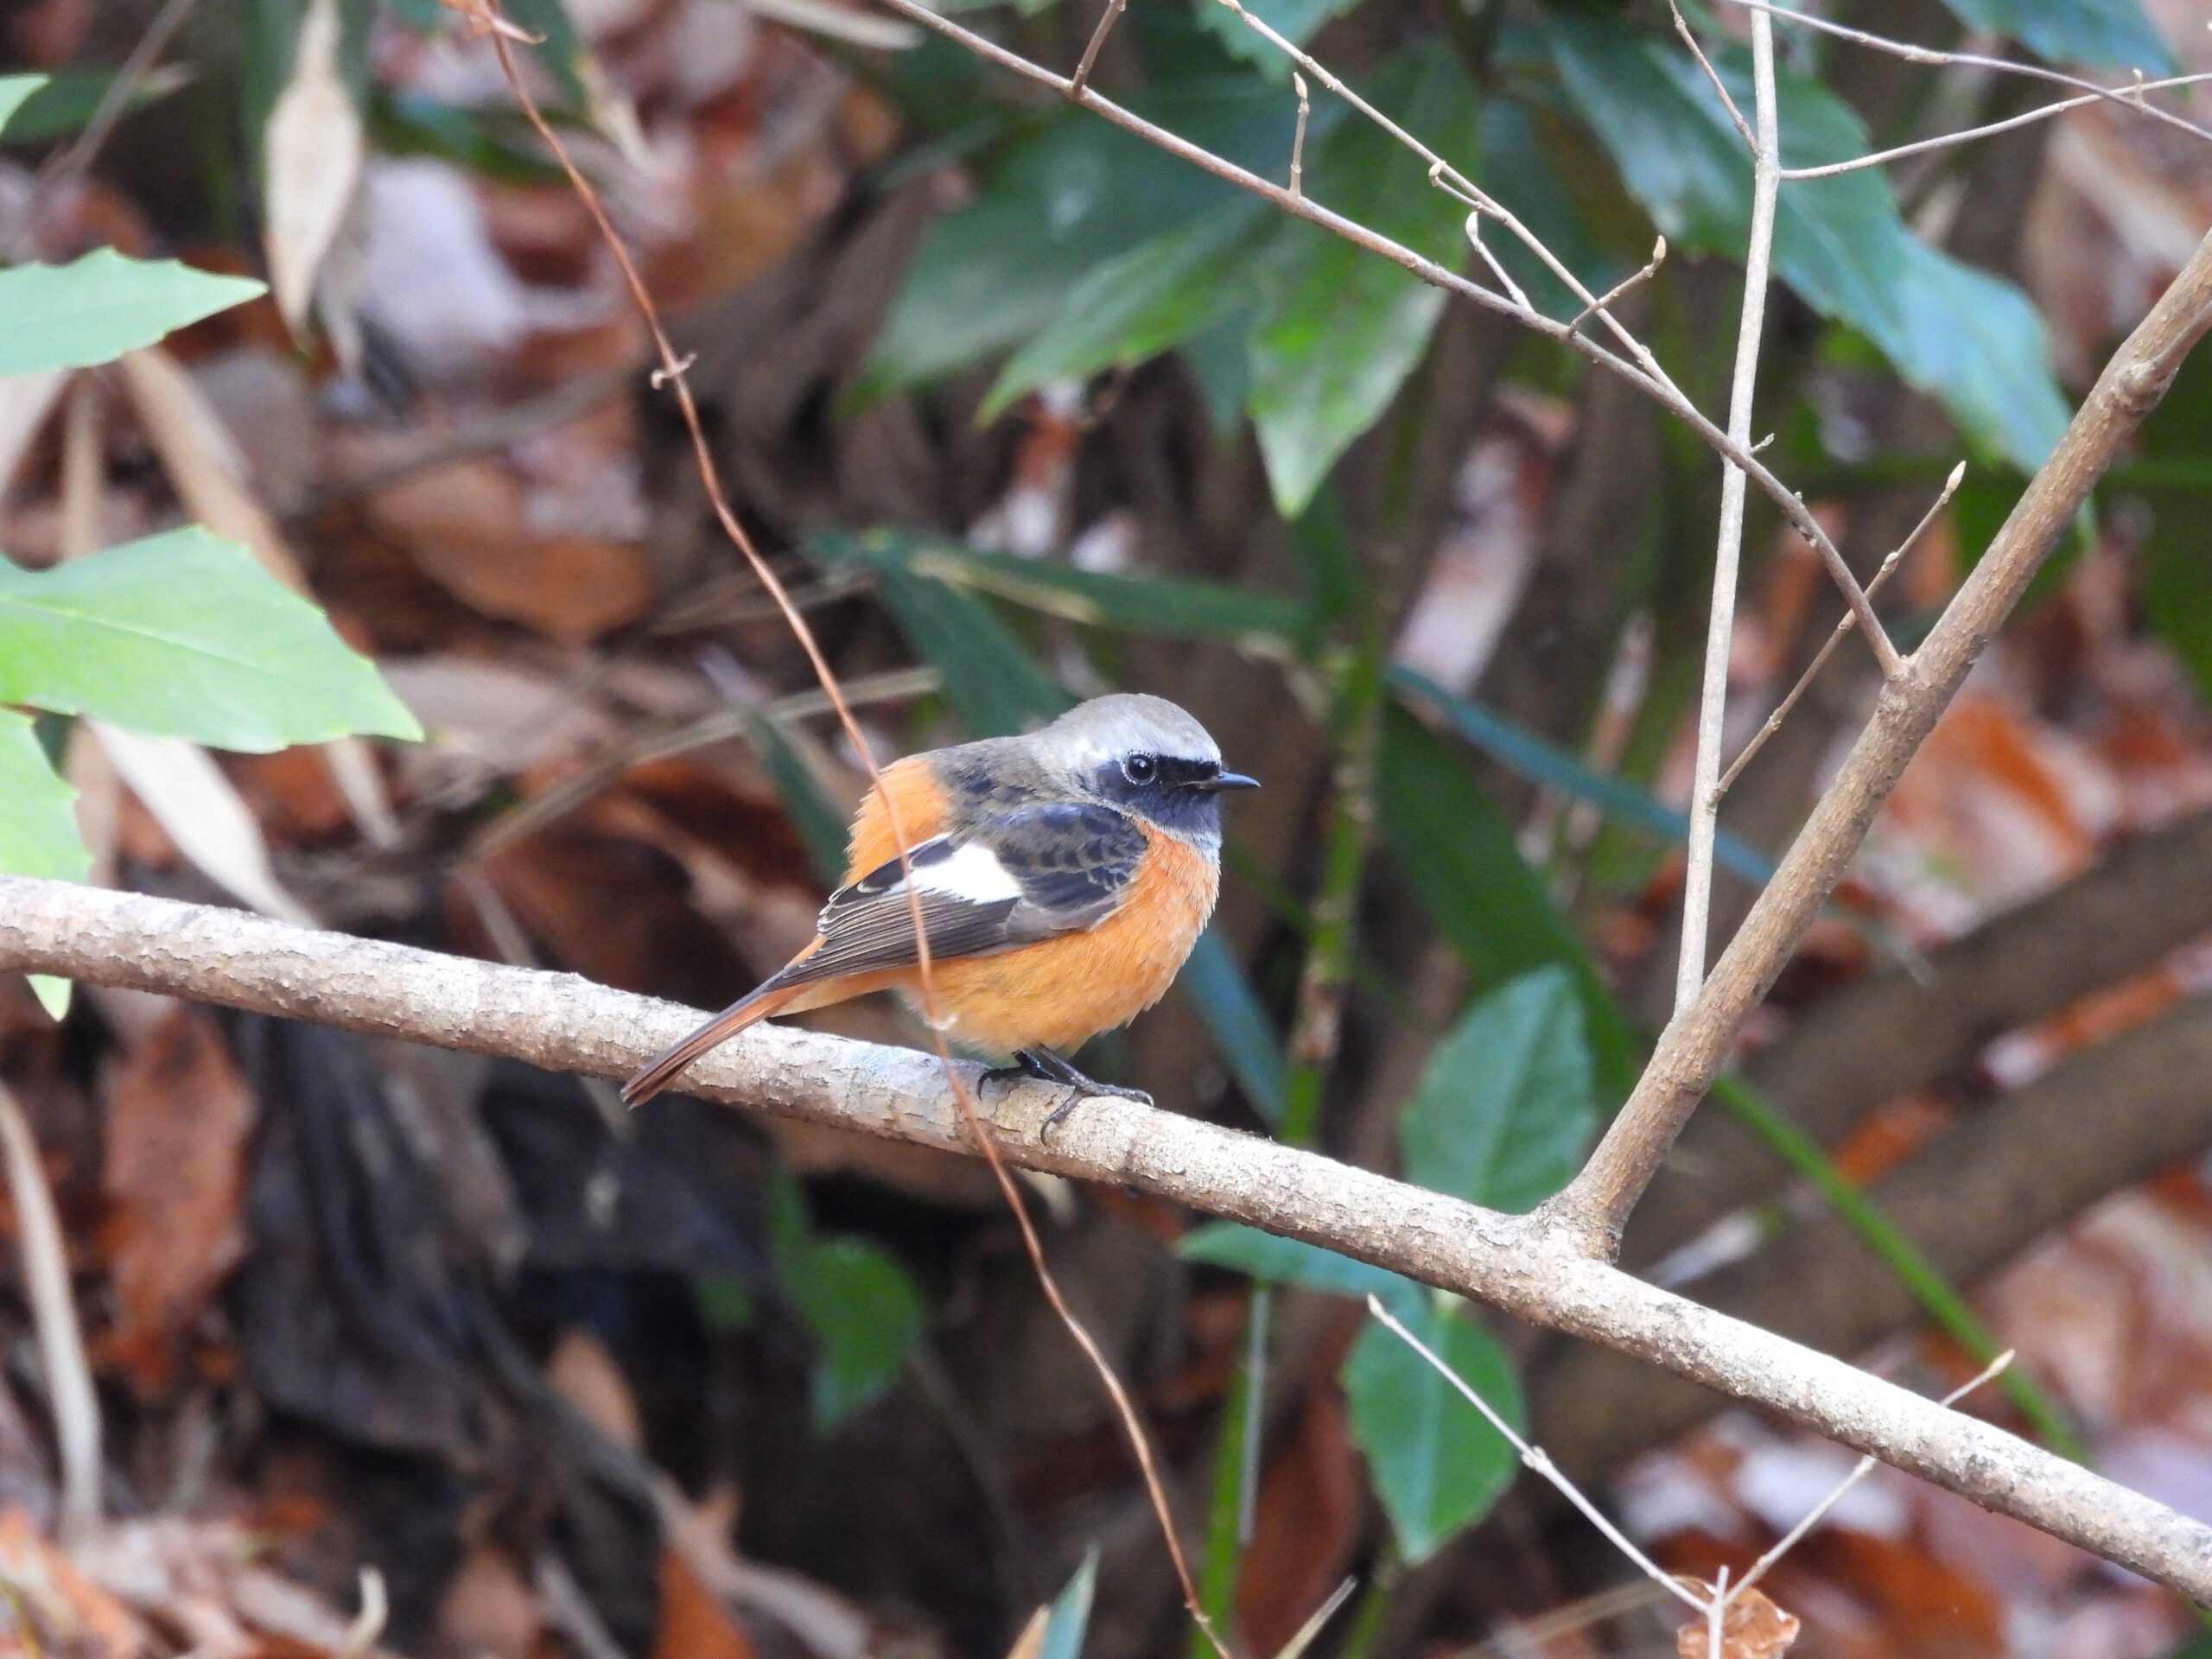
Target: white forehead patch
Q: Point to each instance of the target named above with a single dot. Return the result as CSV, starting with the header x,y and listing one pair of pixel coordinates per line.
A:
x,y
1104,730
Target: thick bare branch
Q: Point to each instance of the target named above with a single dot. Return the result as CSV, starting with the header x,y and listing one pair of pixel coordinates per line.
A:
x,y
1696,1041
1520,1266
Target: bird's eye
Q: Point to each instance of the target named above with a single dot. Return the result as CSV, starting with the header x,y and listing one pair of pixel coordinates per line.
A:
x,y
1140,769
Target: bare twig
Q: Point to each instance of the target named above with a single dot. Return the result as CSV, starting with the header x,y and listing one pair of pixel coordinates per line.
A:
x,y
1081,79
483,15
1638,369
1297,138
115,99
1635,279
1728,553
1844,624
1711,74
1596,1205
2127,97
1535,1458
69,1389
1519,1264
1989,129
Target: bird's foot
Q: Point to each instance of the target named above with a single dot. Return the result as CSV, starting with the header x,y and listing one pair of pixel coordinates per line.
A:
x,y
1043,1063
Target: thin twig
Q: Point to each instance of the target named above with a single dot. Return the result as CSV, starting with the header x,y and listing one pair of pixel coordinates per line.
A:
x,y
1720,86
1727,560
1297,138
1863,1467
115,99
1644,375
1612,295
1844,624
1596,1205
75,1404
1535,1458
1081,79
484,15
2127,97
1946,140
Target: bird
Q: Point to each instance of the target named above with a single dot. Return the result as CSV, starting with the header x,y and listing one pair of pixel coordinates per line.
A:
x,y
1063,877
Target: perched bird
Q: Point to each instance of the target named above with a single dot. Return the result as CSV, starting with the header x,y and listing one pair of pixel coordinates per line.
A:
x,y
1062,878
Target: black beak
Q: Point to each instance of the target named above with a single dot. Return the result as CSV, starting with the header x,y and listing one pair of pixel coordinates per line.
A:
x,y
1231,780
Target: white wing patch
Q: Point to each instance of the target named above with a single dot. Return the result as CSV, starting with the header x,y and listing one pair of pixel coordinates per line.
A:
x,y
973,873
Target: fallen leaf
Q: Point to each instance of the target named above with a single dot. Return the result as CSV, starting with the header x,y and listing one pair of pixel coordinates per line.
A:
x,y
584,1374
1310,1510
71,1612
694,1622
1752,1627
202,814
311,153
174,1174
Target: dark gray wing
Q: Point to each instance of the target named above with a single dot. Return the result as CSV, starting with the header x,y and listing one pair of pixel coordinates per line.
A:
x,y
1010,879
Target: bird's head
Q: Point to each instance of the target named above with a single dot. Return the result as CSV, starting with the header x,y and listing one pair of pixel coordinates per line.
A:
x,y
1145,756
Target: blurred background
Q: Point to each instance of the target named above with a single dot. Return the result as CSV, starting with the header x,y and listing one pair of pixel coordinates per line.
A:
x,y
1025,411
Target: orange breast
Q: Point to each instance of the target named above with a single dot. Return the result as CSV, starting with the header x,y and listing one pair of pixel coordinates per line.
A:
x,y
1061,992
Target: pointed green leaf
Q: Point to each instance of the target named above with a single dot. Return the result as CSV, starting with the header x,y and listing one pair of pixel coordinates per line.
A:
x,y
2102,33
1459,856
1508,1098
1292,1262
15,91
1437,1464
1070,1620
1156,296
1249,1045
1337,330
865,1314
1969,338
76,316
38,830
183,635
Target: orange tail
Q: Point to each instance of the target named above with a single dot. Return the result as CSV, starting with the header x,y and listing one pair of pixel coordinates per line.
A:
x,y
747,1010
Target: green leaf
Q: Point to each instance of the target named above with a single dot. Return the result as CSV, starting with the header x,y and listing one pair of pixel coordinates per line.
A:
x,y
1508,1098
1139,303
820,823
1458,856
76,316
1064,202
865,1313
1291,1261
1249,1045
1337,330
59,104
38,830
2177,490
16,91
2102,33
1172,608
1541,763
1296,21
1070,1619
1437,1464
183,635
1967,337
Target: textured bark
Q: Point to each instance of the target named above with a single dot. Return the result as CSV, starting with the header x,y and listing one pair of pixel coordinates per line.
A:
x,y
1514,1264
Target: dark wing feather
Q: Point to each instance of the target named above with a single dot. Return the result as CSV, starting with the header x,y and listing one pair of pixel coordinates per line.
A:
x,y
1070,864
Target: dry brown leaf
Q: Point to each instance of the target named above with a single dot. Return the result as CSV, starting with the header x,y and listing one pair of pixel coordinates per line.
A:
x,y
311,152
173,1174
1752,1627
465,526
203,816
1311,1510
584,1374
71,1612
489,1609
694,1622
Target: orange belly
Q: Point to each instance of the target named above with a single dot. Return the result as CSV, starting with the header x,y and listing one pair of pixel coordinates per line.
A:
x,y
1063,992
